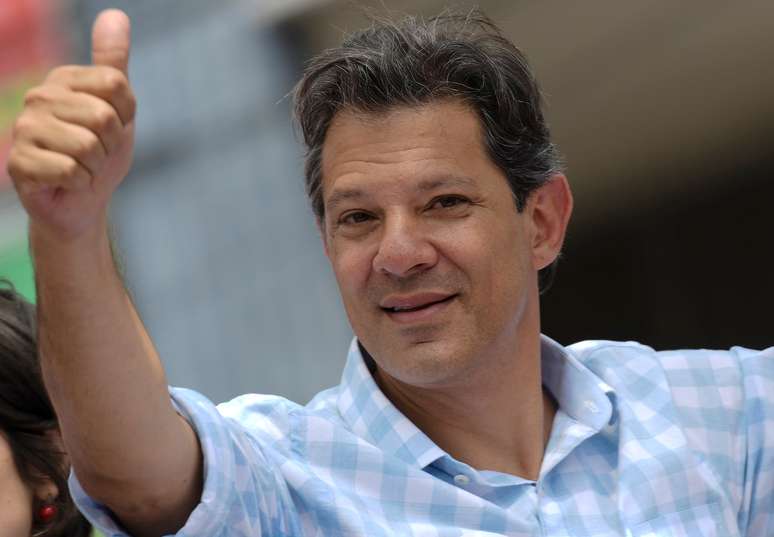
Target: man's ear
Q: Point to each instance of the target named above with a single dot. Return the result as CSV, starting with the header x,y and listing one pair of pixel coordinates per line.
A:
x,y
549,208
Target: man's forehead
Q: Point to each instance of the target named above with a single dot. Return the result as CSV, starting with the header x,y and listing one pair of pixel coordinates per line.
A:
x,y
413,118
434,127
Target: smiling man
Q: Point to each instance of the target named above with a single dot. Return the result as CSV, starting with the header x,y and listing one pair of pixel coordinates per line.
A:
x,y
442,209
438,273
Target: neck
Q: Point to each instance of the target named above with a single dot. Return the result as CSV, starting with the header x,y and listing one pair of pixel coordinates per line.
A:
x,y
497,419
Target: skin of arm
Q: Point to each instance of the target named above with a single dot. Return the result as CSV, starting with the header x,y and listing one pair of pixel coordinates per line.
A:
x,y
72,146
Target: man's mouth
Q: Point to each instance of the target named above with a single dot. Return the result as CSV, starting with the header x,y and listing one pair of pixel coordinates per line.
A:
x,y
415,307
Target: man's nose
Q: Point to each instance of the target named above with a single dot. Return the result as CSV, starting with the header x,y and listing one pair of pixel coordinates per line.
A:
x,y
404,249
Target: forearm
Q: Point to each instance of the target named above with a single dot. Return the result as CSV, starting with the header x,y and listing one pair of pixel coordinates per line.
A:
x,y
127,444
72,147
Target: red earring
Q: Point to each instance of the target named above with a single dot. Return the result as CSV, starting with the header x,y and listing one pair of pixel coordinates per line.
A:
x,y
47,513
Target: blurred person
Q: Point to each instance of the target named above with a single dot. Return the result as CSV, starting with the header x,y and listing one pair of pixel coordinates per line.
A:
x,y
442,208
34,499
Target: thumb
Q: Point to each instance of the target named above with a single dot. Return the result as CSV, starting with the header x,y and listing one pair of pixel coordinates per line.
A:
x,y
110,39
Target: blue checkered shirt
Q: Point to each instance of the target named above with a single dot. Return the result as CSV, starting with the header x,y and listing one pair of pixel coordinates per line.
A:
x,y
644,443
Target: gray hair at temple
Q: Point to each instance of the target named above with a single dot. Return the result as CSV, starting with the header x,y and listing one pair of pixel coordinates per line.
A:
x,y
414,61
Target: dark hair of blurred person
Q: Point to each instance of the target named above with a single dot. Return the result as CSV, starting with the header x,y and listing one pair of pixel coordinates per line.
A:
x,y
33,466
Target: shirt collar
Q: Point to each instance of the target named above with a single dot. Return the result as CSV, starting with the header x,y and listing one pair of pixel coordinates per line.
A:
x,y
370,415
580,394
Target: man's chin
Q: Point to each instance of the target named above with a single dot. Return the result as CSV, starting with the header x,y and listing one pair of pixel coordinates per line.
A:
x,y
422,334
424,361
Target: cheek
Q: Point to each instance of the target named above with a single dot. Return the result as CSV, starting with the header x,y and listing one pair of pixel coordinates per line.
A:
x,y
499,262
483,247
352,267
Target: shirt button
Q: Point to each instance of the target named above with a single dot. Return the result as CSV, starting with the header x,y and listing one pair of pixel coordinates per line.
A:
x,y
591,406
461,479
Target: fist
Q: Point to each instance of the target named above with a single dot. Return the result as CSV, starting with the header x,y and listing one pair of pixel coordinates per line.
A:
x,y
72,143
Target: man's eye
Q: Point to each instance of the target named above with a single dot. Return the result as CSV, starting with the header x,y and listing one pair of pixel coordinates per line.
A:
x,y
356,217
447,202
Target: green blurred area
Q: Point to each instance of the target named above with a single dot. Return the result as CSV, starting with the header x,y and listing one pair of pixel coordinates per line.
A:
x,y
16,266
12,96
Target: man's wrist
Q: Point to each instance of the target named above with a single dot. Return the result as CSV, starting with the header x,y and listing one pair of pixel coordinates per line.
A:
x,y
60,251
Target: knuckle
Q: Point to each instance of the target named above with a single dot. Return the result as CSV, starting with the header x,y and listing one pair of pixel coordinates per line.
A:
x,y
14,166
23,125
21,170
36,95
63,72
104,118
114,80
93,145
86,147
68,171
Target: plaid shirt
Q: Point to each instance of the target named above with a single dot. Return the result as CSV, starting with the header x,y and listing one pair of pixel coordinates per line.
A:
x,y
644,443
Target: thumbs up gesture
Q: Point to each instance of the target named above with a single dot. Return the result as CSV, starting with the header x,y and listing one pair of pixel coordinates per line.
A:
x,y
72,143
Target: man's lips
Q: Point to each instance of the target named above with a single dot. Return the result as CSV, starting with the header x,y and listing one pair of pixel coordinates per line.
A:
x,y
415,307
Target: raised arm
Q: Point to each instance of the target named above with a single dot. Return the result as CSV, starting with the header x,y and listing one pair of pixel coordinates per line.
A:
x,y
72,147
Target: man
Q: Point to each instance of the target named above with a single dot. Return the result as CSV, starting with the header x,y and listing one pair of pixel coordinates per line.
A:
x,y
442,210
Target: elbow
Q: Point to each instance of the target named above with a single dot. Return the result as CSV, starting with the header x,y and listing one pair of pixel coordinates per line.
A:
x,y
144,507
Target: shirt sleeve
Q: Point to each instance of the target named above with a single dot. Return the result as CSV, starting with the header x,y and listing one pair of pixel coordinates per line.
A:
x,y
756,517
244,492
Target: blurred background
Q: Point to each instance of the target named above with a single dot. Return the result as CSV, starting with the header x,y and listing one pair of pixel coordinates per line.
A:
x,y
663,111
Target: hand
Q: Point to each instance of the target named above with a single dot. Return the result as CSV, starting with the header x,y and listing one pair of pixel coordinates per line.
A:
x,y
72,143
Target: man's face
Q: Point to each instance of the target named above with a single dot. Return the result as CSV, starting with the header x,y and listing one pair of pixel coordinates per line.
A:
x,y
434,263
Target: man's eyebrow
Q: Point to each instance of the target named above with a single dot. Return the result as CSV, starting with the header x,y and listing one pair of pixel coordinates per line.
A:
x,y
340,196
426,185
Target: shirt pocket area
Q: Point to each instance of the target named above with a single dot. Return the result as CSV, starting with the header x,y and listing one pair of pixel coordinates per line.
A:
x,y
701,520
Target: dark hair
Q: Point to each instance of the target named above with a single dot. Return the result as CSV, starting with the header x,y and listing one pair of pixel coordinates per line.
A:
x,y
415,61
27,417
